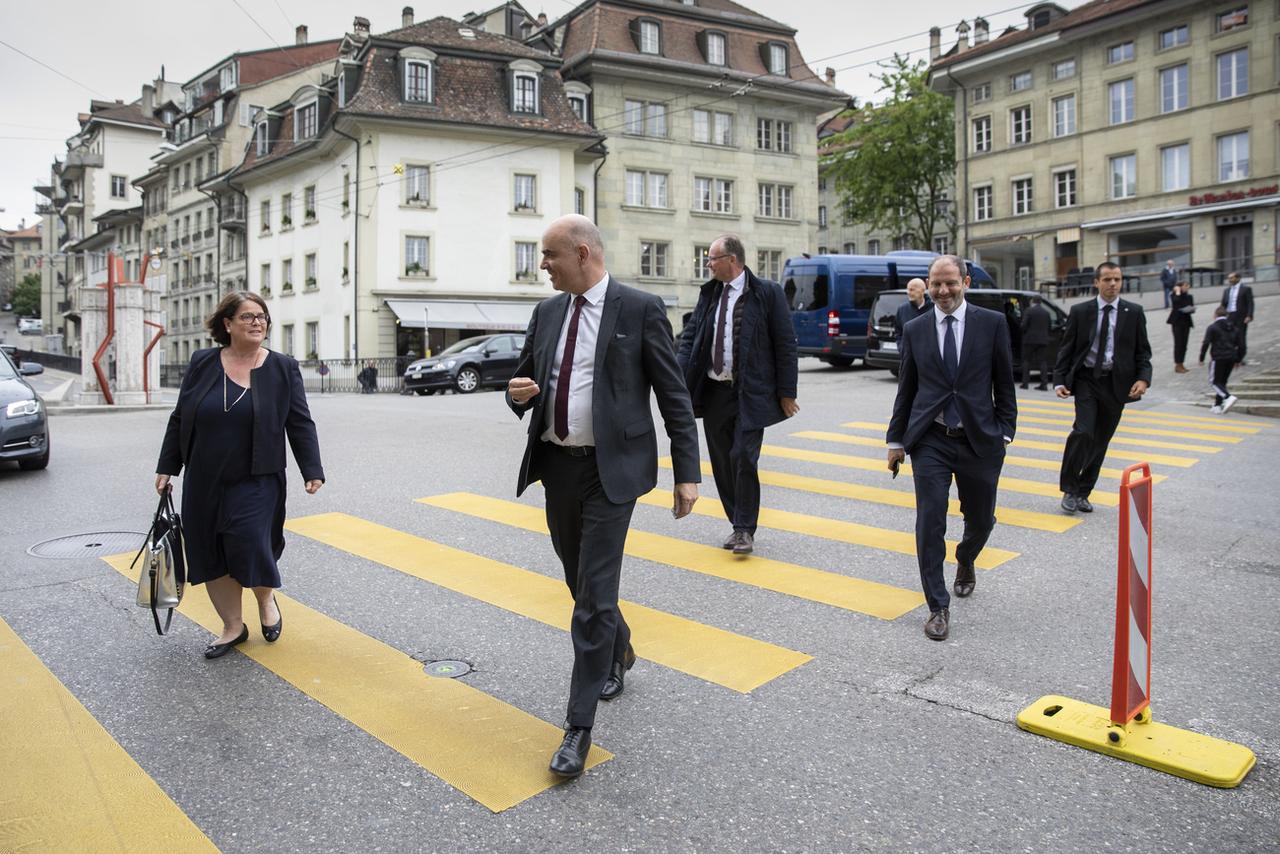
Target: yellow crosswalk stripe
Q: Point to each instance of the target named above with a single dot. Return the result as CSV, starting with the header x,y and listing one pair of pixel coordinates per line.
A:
x,y
902,542
735,661
827,588
68,785
877,464
1068,407
1141,424
1054,522
489,750
1115,440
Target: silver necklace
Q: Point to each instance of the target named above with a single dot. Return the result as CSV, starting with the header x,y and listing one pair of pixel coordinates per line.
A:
x,y
243,392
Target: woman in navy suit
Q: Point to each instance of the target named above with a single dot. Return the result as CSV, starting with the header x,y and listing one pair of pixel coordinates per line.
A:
x,y
237,404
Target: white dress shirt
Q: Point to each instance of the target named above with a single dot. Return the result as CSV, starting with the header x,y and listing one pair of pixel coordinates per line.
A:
x,y
735,291
1107,357
1233,294
581,431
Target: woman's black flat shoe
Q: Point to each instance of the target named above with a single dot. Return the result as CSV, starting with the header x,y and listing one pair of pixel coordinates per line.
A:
x,y
217,650
272,633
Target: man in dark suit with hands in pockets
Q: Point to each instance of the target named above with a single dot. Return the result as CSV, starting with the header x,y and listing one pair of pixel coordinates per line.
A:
x,y
591,356
954,414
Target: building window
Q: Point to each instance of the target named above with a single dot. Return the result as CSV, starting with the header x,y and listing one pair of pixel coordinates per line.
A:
x,y
286,339
1064,115
1124,176
526,197
1173,37
227,78
1120,97
525,93
1122,52
1020,125
715,49
247,112
309,204
769,263
646,189
417,185
1233,156
653,259
981,207
701,264
286,210
309,270
1231,19
822,216
305,118
417,260
644,118
260,141
982,134
850,248
265,215
417,81
1233,74
941,244
1020,81
313,339
713,195
264,278
580,201
1173,88
773,135
1023,203
119,186
873,247
778,63
1064,69
981,92
286,274
526,260
775,200
578,103
712,128
1064,188
1175,167
650,37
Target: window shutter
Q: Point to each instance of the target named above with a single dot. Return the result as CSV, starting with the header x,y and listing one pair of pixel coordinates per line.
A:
x,y
634,27
764,56
702,45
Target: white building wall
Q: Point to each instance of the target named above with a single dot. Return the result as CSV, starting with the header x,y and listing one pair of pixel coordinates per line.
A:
x,y
125,151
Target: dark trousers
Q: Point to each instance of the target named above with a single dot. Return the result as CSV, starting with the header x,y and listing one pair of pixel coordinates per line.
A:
x,y
1098,412
1238,319
1181,332
1221,373
588,532
1038,354
935,460
735,455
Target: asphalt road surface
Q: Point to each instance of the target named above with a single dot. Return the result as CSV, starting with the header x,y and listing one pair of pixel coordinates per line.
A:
x,y
784,702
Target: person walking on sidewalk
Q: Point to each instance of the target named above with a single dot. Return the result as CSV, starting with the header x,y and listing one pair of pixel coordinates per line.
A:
x,y
1237,299
1222,341
1168,280
1183,306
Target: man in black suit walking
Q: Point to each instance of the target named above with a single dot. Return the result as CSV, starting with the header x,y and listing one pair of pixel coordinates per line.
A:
x,y
597,349
738,354
1035,342
917,304
1237,299
955,412
1105,361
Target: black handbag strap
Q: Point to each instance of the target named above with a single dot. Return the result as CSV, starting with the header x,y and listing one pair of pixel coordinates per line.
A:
x,y
168,620
164,510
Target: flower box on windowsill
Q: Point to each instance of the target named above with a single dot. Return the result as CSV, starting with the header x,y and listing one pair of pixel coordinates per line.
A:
x,y
286,222
416,201
346,208
346,277
415,271
286,290
310,218
265,293
266,229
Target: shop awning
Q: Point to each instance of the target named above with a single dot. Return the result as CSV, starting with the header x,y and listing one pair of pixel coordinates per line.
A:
x,y
459,314
1184,212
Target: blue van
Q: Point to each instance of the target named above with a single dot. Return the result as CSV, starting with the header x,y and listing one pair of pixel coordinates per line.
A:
x,y
831,297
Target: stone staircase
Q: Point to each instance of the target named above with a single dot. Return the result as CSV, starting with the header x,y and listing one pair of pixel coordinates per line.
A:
x,y
1259,393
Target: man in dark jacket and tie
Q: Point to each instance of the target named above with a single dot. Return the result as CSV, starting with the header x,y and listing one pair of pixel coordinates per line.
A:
x,y
1237,299
592,355
738,355
1035,343
954,414
1105,361
917,304
1168,278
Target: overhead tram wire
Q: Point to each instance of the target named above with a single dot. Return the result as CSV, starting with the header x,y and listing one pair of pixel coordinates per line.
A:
x,y
54,70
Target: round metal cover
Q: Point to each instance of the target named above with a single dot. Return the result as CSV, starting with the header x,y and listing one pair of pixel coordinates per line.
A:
x,y
89,545
447,669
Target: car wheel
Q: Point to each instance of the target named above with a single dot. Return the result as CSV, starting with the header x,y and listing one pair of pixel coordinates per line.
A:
x,y
840,362
468,380
35,465
894,371
421,392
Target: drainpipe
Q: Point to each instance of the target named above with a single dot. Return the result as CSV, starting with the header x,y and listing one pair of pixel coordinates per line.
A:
x,y
595,184
355,254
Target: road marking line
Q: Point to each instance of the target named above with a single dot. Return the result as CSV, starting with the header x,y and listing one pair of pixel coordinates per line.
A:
x,y
1124,436
735,661
490,751
69,786
1065,407
877,464
1054,522
1058,446
1140,424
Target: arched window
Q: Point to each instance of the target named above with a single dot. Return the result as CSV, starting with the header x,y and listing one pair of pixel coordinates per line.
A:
x,y
417,70
524,86
579,95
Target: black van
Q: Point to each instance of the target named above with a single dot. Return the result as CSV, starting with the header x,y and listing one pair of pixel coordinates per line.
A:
x,y
882,325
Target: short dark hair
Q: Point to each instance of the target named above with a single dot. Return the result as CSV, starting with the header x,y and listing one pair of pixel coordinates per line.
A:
x,y
1105,265
226,310
733,245
1035,300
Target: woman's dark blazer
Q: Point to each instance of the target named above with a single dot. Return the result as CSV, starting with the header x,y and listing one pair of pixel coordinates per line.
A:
x,y
279,409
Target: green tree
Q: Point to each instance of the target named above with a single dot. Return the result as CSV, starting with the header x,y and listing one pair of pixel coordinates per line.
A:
x,y
26,296
894,167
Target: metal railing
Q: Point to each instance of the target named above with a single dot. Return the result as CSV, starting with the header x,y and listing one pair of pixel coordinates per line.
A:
x,y
328,376
52,361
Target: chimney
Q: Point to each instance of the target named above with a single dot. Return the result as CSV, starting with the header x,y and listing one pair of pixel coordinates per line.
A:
x,y
935,43
148,99
962,37
360,28
981,29
831,77
406,16
300,35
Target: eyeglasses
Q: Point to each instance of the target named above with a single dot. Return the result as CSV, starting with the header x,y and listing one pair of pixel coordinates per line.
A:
x,y
247,318
711,258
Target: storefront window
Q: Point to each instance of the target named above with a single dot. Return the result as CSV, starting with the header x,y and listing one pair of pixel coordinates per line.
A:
x,y
1144,252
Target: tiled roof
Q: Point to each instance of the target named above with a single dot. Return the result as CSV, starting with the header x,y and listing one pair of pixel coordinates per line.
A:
x,y
32,233
259,65
444,32
118,112
1085,14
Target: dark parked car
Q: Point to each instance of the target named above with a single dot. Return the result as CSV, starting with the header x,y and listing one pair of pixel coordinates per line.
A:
x,y
487,360
883,333
24,430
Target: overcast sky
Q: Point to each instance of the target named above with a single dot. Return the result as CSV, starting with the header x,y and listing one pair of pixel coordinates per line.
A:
x,y
109,49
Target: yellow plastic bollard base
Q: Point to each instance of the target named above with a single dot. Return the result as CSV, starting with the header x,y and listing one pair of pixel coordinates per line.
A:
x,y
1181,752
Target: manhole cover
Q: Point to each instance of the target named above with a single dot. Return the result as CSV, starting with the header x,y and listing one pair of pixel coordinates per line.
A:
x,y
89,545
447,669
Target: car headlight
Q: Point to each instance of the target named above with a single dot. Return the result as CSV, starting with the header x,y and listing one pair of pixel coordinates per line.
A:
x,y
450,363
22,407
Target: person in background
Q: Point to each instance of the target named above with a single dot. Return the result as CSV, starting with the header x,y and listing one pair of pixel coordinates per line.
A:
x,y
917,304
1237,299
1222,341
1183,305
1168,280
1035,342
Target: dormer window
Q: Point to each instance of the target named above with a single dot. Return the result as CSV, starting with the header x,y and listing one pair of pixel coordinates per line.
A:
x,y
305,121
418,71
524,86
261,143
577,93
227,78
775,58
715,49
650,37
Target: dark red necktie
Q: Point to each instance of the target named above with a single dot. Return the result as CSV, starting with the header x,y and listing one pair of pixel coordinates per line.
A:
x,y
566,369
717,354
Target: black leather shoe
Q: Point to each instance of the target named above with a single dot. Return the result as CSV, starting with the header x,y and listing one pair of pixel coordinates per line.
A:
x,y
745,544
217,650
1042,388
614,685
935,628
1083,505
571,758
1069,503
732,541
272,633
965,580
